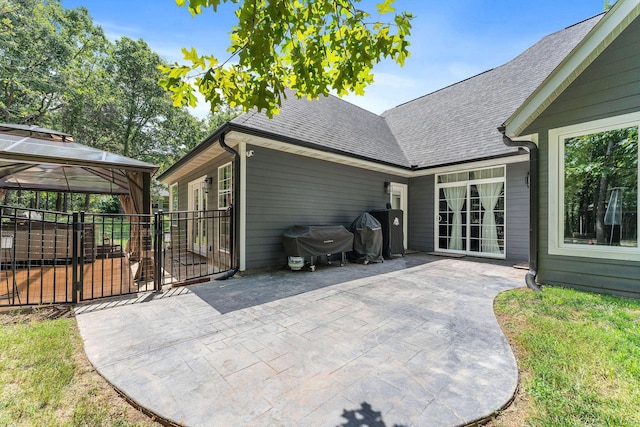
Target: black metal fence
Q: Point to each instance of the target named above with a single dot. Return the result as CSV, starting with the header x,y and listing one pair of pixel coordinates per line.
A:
x,y
194,244
52,257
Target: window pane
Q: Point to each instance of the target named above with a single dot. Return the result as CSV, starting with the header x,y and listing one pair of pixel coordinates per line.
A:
x,y
174,197
225,186
453,177
488,173
601,188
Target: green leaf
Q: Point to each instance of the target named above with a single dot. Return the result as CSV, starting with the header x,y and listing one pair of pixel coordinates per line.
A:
x,y
385,7
311,46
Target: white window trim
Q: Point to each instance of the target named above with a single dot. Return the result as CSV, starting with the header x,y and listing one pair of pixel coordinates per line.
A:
x,y
173,190
468,183
404,201
230,190
556,244
201,186
199,183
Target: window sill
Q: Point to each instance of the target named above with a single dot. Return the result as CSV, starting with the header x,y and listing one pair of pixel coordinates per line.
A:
x,y
595,251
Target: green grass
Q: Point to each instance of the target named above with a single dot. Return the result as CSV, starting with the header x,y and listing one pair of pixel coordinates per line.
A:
x,y
45,380
580,353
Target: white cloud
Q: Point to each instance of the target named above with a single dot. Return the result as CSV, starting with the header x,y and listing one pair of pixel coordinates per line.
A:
x,y
117,31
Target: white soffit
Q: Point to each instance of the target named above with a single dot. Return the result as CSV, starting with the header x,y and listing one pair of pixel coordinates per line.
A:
x,y
234,138
211,152
259,141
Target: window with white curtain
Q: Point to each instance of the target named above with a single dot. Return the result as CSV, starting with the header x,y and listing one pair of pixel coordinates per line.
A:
x,y
470,215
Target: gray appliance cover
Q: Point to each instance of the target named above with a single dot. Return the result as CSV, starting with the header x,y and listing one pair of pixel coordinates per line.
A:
x,y
367,240
316,240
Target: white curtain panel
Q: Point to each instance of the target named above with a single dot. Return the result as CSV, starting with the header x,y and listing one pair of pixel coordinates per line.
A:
x,y
456,196
489,196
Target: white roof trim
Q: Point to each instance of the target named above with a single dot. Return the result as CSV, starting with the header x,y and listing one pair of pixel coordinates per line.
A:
x,y
498,161
316,154
598,39
211,152
237,138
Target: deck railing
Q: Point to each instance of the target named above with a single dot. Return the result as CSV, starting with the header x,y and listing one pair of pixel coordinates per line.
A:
x,y
52,257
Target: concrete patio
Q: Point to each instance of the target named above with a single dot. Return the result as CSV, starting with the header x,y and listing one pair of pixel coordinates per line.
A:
x,y
410,342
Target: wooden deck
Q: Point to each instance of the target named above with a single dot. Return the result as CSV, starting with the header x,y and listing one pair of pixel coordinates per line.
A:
x,y
49,284
52,283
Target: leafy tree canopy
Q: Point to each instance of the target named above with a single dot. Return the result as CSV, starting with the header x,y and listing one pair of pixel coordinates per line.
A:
x,y
42,47
310,46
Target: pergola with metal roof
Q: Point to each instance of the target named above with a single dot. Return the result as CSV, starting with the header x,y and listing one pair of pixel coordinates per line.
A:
x,y
40,159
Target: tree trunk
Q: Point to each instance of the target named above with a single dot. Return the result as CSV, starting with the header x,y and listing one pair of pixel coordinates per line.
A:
x,y
601,231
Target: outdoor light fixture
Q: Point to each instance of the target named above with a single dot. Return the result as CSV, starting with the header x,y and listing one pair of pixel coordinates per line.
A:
x,y
387,187
208,184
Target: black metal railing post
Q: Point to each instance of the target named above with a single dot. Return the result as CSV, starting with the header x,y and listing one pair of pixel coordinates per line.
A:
x,y
232,237
81,256
74,257
158,245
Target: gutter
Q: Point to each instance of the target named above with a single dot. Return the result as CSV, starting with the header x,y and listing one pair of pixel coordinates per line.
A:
x,y
235,266
232,126
530,278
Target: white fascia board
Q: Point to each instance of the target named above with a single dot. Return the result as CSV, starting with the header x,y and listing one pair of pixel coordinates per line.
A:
x,y
498,161
600,37
210,153
272,144
237,137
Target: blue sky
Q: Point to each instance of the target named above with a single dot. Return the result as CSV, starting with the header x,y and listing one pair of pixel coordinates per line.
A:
x,y
451,40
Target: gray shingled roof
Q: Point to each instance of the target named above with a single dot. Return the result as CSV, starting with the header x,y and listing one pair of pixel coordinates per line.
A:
x,y
455,124
330,122
460,122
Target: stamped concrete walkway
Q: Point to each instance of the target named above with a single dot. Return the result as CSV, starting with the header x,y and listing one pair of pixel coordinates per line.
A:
x,y
419,346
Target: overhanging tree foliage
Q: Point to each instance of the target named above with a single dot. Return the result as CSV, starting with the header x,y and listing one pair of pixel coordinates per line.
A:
x,y
58,70
310,46
42,48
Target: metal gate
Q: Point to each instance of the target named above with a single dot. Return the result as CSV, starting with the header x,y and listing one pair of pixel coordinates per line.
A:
x,y
51,257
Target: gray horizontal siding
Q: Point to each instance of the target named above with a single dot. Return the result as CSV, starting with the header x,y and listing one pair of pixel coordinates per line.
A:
x,y
517,211
421,213
608,87
284,189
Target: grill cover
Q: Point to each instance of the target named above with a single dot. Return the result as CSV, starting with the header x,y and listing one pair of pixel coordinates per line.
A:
x,y
367,240
315,240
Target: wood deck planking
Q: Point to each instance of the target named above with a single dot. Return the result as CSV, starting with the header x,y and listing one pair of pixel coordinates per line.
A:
x,y
53,283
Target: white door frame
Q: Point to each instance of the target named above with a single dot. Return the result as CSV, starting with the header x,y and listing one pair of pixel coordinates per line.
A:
x,y
401,190
467,225
199,184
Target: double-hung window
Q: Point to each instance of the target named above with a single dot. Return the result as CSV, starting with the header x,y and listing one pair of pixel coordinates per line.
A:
x,y
593,189
225,200
225,186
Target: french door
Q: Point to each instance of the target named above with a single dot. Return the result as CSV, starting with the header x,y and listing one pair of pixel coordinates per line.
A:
x,y
398,198
470,214
198,206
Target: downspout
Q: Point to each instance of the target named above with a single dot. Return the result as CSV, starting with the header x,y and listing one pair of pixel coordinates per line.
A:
x,y
530,278
236,211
